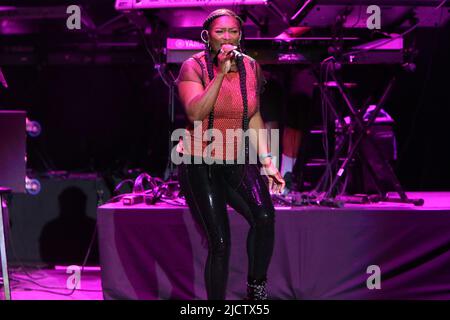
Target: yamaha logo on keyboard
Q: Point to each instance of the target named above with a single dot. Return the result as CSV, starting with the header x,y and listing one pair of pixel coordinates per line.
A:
x,y
184,44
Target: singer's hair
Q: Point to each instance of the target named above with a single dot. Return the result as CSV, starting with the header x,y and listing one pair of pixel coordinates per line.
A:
x,y
220,13
240,65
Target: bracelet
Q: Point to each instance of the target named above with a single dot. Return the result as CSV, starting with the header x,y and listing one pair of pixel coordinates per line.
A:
x,y
265,155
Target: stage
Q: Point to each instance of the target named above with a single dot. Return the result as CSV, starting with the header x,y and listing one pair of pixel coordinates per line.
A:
x,y
157,252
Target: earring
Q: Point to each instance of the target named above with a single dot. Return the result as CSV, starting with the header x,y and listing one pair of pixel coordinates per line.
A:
x,y
202,37
206,42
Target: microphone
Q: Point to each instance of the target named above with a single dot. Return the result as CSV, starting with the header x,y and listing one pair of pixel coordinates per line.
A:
x,y
237,53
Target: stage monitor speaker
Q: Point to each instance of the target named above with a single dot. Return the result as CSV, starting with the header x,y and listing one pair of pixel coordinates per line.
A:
x,y
56,225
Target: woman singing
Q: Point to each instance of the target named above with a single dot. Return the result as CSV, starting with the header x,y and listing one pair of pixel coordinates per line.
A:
x,y
219,88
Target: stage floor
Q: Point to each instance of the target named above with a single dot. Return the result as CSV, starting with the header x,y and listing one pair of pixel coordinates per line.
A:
x,y
33,283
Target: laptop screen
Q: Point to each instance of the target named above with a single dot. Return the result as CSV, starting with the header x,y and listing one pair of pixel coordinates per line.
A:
x,y
13,150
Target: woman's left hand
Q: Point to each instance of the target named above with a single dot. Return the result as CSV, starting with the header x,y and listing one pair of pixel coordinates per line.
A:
x,y
276,181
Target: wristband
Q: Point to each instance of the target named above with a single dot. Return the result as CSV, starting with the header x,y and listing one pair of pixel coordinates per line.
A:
x,y
265,155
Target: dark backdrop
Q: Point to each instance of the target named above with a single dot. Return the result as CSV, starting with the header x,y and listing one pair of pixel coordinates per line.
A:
x,y
93,117
103,117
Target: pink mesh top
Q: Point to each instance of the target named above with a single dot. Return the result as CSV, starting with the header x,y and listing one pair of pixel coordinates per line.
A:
x,y
228,110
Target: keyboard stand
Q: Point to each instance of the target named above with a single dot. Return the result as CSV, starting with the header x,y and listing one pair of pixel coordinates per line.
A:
x,y
360,130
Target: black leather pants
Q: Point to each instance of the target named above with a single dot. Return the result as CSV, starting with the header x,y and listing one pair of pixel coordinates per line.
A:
x,y
208,189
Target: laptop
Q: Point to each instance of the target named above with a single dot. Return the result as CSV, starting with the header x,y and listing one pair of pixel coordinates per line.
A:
x,y
13,150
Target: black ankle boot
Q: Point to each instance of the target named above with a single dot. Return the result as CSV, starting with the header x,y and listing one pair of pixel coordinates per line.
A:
x,y
256,290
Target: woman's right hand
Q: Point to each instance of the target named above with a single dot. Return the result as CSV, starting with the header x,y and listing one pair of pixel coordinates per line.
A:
x,y
276,182
224,58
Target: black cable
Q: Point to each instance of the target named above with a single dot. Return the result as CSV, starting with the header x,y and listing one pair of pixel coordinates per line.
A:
x,y
123,182
157,64
323,82
344,184
18,279
21,264
81,272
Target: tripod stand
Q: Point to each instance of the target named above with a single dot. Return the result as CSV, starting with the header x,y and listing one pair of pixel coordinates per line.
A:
x,y
357,132
170,168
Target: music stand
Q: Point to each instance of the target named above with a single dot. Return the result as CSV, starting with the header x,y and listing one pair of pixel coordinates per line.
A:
x,y
12,175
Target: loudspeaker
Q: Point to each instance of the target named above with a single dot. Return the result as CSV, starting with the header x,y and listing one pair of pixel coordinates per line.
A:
x,y
56,225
